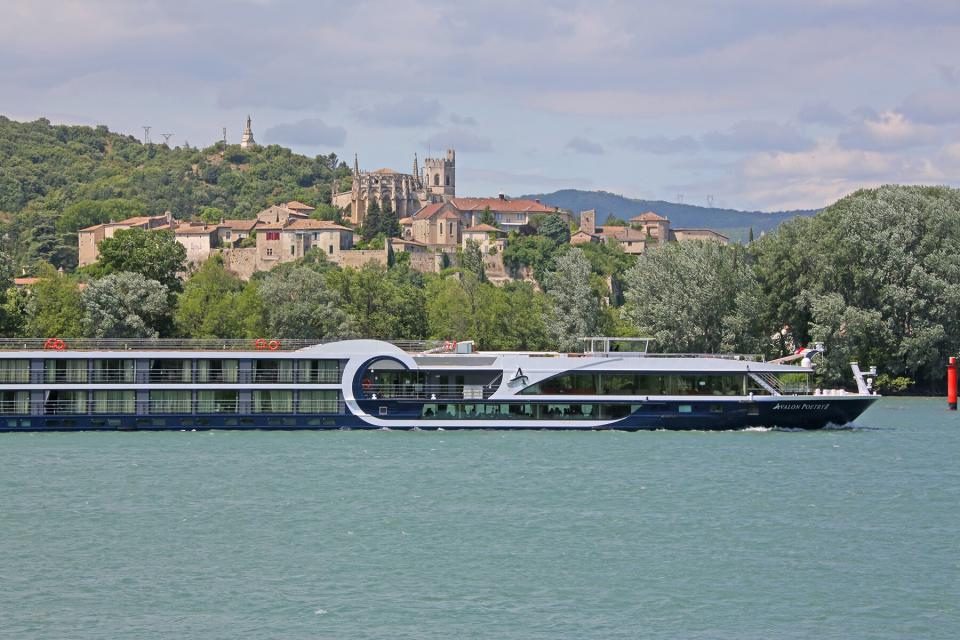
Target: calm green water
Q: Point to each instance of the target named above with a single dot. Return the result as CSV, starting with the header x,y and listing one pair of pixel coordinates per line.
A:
x,y
837,534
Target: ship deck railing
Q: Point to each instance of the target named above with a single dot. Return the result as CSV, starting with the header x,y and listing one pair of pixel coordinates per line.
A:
x,y
167,376
259,345
428,391
168,407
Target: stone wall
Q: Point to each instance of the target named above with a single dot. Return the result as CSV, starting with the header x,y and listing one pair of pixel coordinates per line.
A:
x,y
242,262
356,258
426,262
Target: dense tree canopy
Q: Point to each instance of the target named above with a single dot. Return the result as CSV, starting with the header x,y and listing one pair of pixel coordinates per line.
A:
x,y
156,255
125,305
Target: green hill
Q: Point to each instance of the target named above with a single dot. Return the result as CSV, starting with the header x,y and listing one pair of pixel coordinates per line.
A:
x,y
731,222
56,178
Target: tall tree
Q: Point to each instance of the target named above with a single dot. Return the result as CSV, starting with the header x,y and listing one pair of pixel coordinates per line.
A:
x,y
298,304
556,228
385,303
54,307
207,308
575,310
487,217
125,305
156,255
471,259
371,222
695,297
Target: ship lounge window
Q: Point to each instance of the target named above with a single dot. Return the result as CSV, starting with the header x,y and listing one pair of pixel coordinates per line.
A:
x,y
631,384
15,402
171,370
319,402
14,371
527,411
273,401
318,371
217,370
114,401
65,370
273,370
65,402
209,401
171,402
113,370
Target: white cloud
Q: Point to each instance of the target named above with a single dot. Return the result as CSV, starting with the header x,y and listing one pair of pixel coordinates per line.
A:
x,y
889,130
757,135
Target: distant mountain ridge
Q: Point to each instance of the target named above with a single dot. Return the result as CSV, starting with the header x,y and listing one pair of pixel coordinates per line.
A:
x,y
730,222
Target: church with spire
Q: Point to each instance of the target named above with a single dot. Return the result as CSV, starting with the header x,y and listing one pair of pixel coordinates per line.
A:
x,y
403,193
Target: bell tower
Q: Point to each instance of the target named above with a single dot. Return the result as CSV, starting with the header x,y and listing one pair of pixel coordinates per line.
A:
x,y
440,176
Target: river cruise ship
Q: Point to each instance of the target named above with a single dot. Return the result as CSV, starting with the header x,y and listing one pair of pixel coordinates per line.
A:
x,y
67,385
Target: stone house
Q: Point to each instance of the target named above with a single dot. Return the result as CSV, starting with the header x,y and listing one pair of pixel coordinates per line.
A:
x,y
89,238
286,241
441,224
198,239
486,236
231,232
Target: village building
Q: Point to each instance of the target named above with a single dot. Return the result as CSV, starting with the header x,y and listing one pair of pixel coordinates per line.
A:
x,y
486,237
441,224
643,231
402,193
89,238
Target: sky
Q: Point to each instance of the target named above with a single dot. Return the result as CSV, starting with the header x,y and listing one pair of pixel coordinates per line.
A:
x,y
761,105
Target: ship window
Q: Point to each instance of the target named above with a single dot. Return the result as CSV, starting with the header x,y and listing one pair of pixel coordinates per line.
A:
x,y
323,401
14,371
171,370
273,370
15,402
273,401
318,371
64,370
60,401
114,401
685,408
171,402
209,401
113,370
217,370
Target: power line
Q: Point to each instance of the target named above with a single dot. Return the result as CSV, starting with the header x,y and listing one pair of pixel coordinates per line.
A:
x,y
146,134
166,138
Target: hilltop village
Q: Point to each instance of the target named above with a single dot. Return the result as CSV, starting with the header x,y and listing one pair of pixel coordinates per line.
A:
x,y
385,213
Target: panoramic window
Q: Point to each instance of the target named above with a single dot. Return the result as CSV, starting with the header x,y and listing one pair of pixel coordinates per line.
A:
x,y
640,384
113,370
15,402
63,370
217,370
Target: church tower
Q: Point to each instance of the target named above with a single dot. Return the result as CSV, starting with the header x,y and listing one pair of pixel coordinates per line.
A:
x,y
247,140
440,176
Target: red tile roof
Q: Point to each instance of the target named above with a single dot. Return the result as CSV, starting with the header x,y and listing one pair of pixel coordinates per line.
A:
x,y
649,216
296,205
241,225
310,224
195,229
449,215
428,211
406,220
496,204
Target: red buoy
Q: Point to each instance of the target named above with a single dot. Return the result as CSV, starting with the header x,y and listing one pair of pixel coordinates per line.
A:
x,y
952,383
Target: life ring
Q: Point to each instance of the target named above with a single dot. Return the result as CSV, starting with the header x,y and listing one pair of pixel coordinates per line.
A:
x,y
55,343
273,345
260,344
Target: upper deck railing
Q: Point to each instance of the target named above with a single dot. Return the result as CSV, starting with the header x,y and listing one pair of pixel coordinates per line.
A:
x,y
188,344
